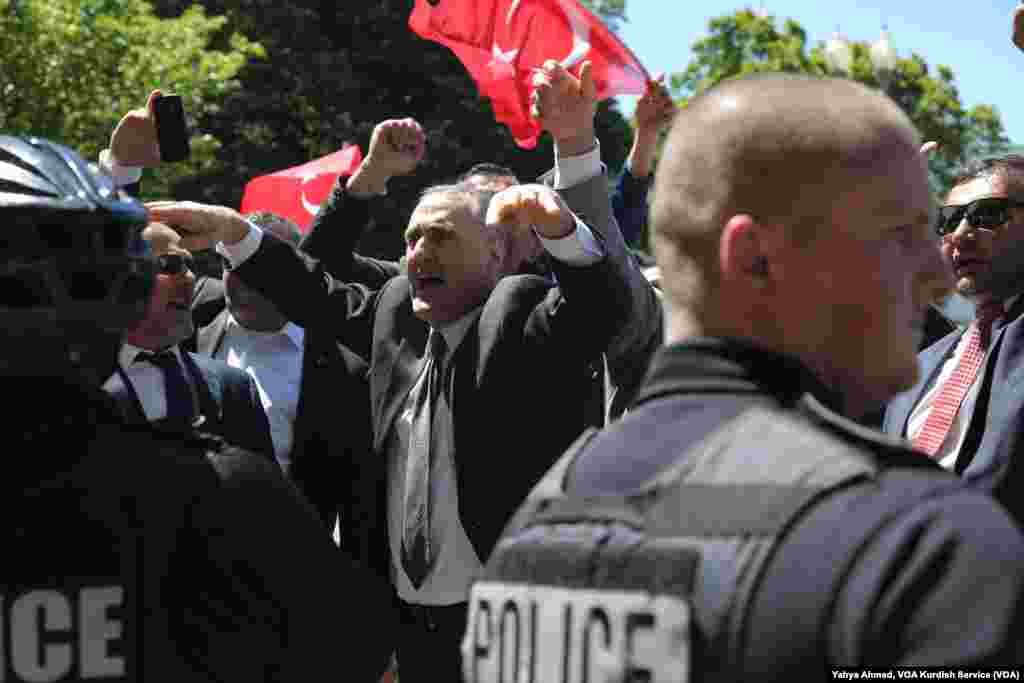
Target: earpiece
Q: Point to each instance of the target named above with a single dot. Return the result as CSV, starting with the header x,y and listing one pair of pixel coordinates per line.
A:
x,y
760,267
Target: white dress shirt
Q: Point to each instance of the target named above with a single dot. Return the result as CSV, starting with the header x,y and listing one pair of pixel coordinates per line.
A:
x,y
147,380
949,451
274,361
457,563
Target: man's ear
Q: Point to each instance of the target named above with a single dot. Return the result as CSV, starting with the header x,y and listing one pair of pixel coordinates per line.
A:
x,y
741,251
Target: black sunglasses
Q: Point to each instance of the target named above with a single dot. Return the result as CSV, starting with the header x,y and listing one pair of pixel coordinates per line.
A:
x,y
174,264
983,214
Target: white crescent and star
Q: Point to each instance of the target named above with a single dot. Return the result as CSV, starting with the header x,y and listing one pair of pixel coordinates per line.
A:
x,y
306,204
580,36
504,57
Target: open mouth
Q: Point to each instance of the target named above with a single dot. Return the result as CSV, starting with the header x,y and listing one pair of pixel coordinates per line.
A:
x,y
429,281
968,265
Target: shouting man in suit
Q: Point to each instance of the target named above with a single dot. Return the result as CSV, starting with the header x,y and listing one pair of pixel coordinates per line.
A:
x,y
460,430
966,410
156,381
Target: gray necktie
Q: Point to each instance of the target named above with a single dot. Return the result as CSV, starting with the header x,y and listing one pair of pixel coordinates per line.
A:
x,y
418,546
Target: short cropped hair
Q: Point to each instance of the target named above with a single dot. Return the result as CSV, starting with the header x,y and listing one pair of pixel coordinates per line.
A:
x,y
779,147
488,169
1010,166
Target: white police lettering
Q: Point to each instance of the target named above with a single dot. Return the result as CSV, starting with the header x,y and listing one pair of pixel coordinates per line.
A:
x,y
45,642
519,633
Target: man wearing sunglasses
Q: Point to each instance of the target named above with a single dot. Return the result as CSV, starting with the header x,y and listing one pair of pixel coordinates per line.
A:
x,y
158,382
965,412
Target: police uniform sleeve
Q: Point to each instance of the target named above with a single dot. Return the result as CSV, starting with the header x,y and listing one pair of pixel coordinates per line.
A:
x,y
335,617
912,569
941,585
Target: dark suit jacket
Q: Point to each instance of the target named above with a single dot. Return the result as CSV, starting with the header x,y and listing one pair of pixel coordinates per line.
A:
x,y
330,446
519,383
616,378
991,456
229,404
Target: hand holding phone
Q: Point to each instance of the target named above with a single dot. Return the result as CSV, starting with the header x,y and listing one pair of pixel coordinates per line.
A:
x,y
171,128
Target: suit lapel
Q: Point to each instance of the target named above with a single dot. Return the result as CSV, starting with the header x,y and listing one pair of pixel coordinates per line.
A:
x,y
212,336
127,399
208,390
400,341
392,389
930,360
1004,373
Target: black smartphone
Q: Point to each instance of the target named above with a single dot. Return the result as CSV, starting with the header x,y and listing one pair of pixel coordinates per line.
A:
x,y
171,128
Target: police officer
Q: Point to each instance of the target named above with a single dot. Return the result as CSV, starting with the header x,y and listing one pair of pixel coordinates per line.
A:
x,y
131,554
736,524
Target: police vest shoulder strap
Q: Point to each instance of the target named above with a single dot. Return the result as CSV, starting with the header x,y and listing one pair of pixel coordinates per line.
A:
x,y
752,476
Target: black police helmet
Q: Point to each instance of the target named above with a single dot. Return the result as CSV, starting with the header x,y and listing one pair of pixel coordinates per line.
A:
x,y
74,270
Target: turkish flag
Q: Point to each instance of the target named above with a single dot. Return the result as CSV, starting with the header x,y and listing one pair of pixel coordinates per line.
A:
x,y
500,41
296,193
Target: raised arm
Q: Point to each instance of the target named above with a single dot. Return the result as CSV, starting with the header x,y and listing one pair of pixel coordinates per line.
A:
x,y
566,107
396,148
580,316
297,284
629,201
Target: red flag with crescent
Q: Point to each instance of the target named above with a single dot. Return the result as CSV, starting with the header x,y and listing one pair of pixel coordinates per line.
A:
x,y
297,192
500,41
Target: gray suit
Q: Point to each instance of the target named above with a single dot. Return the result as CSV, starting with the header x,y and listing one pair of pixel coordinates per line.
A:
x,y
625,361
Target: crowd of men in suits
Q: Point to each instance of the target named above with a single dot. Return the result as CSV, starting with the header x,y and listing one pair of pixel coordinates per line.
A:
x,y
402,399
335,404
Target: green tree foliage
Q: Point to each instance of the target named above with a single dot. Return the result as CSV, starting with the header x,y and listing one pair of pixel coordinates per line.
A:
x,y
745,43
70,68
612,12
332,71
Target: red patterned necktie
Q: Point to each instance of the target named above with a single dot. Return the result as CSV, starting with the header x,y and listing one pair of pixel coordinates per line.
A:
x,y
951,395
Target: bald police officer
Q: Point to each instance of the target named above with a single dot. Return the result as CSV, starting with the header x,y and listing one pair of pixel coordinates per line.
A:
x,y
736,523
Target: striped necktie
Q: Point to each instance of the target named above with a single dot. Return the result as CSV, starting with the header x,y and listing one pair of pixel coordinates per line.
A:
x,y
947,402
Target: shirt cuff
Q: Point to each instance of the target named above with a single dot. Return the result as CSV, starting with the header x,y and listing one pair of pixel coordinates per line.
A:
x,y
239,252
122,175
571,171
578,248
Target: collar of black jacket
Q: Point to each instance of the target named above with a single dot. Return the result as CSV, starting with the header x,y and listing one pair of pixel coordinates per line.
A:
x,y
711,366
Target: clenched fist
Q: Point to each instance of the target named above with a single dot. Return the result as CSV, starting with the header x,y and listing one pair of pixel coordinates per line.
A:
x,y
396,147
532,205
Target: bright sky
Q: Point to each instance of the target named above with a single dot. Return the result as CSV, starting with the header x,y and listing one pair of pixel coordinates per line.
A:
x,y
973,38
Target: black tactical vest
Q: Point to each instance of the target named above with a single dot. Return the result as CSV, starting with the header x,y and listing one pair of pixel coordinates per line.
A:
x,y
653,586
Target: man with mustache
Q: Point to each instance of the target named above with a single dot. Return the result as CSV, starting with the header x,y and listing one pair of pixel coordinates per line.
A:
x,y
736,524
157,381
965,412
459,436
